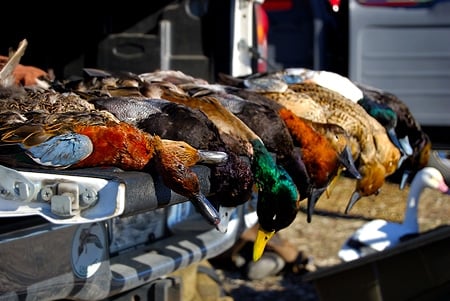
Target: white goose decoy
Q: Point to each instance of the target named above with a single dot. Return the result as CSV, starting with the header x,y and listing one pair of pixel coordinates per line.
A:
x,y
379,234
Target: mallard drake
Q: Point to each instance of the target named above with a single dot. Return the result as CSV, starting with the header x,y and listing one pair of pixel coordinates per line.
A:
x,y
278,195
379,234
267,118
231,181
408,131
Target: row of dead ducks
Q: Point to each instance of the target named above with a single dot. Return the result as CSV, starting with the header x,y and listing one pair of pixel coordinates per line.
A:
x,y
289,134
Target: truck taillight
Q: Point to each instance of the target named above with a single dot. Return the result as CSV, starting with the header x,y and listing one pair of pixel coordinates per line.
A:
x,y
335,4
262,28
276,5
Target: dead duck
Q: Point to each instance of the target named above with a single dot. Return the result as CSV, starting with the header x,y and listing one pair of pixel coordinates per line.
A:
x,y
262,90
131,99
306,108
231,181
321,159
53,137
278,195
376,148
385,115
267,124
408,131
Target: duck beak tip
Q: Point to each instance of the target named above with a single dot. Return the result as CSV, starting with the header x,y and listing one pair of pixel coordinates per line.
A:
x,y
348,162
206,209
354,198
212,157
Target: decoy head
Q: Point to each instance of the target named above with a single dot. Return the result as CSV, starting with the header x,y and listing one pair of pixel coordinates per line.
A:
x,y
432,178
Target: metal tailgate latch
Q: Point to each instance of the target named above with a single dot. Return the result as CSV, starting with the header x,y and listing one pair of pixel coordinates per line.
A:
x,y
15,186
66,198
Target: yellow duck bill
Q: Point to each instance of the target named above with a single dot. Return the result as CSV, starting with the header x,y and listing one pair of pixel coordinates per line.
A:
x,y
262,237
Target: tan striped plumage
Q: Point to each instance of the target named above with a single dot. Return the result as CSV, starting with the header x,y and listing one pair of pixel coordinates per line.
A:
x,y
378,155
300,104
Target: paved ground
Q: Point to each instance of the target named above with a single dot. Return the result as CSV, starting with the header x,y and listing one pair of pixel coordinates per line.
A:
x,y
322,238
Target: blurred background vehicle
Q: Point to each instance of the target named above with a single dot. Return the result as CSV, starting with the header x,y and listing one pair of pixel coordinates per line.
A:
x,y
398,46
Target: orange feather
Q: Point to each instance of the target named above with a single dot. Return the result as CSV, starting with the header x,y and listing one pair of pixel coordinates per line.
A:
x,y
319,156
121,145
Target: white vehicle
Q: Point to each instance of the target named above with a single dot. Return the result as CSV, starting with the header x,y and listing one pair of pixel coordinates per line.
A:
x,y
400,46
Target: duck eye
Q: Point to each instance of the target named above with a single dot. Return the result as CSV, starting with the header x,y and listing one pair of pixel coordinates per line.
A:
x,y
274,217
